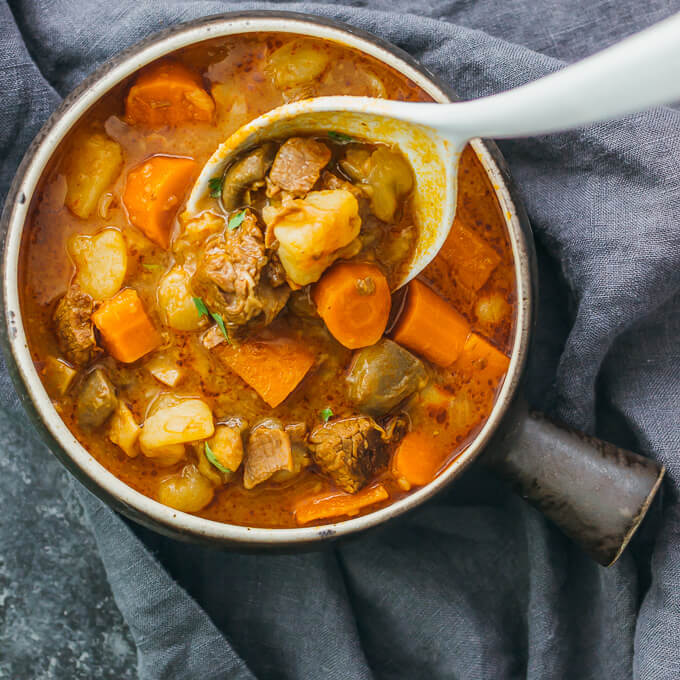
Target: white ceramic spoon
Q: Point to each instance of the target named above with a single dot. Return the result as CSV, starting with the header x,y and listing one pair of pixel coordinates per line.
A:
x,y
639,72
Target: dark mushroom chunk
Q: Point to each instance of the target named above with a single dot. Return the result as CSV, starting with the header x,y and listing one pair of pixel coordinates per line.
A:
x,y
96,402
244,174
382,376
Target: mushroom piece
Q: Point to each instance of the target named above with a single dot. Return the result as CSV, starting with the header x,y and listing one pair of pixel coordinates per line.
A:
x,y
244,173
382,376
96,401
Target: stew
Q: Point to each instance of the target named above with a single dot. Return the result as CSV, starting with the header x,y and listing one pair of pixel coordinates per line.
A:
x,y
254,364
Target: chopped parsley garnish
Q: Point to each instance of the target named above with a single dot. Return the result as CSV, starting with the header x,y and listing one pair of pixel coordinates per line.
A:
x,y
213,459
236,220
151,267
215,186
326,414
217,318
220,322
340,136
200,306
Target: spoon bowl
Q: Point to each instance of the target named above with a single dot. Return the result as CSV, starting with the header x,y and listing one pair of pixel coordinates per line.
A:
x,y
433,157
634,74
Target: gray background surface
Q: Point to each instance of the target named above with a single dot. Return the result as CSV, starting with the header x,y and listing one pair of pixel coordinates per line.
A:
x,y
475,585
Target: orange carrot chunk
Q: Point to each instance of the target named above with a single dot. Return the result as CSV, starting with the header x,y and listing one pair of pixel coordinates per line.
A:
x,y
126,330
417,459
482,362
273,368
354,300
325,505
153,193
168,93
470,257
430,326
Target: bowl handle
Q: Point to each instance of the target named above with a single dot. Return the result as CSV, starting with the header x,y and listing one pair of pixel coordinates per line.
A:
x,y
595,492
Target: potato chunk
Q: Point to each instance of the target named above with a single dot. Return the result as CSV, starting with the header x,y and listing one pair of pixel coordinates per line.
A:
x,y
176,300
297,62
101,262
188,421
187,491
165,369
386,174
226,448
315,231
123,430
58,376
91,165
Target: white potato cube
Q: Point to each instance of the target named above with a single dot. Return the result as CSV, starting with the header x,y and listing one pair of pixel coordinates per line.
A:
x,y
176,300
123,430
297,62
101,262
91,165
188,421
315,231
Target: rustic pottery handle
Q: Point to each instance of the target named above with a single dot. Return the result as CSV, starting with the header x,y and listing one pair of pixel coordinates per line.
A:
x,y
595,492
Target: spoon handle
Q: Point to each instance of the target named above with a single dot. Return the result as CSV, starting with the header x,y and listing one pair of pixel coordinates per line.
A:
x,y
635,74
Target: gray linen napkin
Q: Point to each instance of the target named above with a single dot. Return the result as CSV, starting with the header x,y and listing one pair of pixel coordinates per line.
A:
x,y
475,585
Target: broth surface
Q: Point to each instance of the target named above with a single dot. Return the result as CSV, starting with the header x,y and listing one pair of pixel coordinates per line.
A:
x,y
244,77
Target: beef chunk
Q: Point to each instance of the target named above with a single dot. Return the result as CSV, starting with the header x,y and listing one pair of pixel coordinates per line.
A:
x,y
299,163
239,278
269,451
331,181
73,326
349,450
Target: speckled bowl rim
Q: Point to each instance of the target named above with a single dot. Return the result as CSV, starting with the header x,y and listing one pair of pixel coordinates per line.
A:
x,y
31,391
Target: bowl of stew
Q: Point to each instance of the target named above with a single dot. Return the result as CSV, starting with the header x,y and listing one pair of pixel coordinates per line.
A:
x,y
251,374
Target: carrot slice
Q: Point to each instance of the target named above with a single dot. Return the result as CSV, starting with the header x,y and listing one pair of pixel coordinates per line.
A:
x,y
153,193
417,459
469,256
168,93
430,326
354,300
485,364
325,505
273,368
126,330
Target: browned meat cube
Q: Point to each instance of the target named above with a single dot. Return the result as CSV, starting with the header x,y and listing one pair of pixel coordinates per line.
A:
x,y
74,329
299,163
239,278
349,450
268,451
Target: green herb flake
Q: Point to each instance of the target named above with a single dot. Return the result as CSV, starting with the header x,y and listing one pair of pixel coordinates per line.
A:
x,y
151,267
340,137
236,220
200,306
326,414
220,322
215,186
213,460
